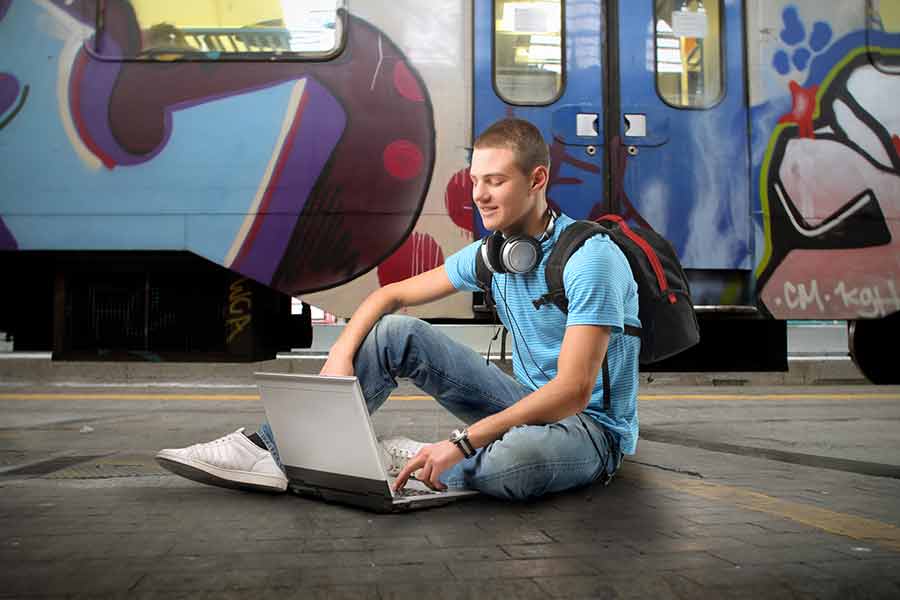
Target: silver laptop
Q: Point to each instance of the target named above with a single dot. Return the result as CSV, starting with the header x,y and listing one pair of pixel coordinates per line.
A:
x,y
328,446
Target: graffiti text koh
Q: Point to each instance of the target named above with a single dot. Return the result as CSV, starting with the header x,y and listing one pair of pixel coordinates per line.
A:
x,y
870,301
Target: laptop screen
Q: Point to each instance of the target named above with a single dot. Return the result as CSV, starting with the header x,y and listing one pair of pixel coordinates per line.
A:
x,y
321,424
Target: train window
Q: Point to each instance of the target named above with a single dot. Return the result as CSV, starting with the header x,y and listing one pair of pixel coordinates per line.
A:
x,y
884,17
689,52
213,29
528,67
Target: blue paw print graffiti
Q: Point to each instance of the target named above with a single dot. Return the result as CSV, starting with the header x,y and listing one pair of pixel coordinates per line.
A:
x,y
794,34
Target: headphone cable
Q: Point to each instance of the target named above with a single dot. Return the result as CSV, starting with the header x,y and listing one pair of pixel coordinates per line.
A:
x,y
605,459
487,359
515,326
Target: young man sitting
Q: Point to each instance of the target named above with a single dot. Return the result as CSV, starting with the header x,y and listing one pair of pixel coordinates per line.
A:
x,y
547,429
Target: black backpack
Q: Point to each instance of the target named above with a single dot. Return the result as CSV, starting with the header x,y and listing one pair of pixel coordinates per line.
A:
x,y
668,322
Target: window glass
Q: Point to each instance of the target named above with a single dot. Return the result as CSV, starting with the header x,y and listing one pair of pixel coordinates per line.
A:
x,y
689,52
528,50
884,17
212,28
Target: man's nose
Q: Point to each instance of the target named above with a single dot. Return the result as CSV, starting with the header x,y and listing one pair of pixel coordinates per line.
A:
x,y
479,192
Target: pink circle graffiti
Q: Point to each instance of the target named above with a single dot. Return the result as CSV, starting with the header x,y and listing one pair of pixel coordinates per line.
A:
x,y
403,159
406,83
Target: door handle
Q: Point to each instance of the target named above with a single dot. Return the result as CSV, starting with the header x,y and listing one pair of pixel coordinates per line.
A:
x,y
586,125
635,125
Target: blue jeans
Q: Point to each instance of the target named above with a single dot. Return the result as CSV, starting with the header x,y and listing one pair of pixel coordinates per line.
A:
x,y
528,461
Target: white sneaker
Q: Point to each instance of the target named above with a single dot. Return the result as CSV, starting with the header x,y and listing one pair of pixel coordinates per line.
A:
x,y
232,461
397,452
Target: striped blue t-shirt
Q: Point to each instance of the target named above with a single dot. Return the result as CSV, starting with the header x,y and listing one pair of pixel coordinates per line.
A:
x,y
601,291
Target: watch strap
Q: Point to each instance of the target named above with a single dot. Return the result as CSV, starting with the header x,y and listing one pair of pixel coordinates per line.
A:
x,y
461,439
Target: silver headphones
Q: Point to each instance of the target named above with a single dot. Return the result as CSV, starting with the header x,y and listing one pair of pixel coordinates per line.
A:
x,y
518,253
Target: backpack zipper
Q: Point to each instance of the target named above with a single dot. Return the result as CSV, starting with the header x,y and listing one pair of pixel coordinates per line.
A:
x,y
648,251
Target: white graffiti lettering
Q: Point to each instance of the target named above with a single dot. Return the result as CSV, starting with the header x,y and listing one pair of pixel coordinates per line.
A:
x,y
868,300
871,301
797,296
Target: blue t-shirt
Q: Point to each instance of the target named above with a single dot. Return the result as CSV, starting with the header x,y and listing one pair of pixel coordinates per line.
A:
x,y
601,291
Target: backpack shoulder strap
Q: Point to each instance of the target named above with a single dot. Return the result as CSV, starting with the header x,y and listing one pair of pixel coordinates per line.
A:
x,y
484,277
570,240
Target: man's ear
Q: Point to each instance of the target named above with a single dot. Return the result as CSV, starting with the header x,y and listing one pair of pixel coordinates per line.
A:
x,y
539,177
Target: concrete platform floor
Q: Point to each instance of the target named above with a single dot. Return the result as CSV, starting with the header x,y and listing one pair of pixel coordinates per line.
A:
x,y
743,492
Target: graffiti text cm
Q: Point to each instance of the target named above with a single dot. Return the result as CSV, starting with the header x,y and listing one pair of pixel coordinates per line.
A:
x,y
799,296
871,301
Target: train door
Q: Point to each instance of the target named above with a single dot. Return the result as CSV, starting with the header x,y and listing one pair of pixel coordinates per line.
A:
x,y
541,60
685,130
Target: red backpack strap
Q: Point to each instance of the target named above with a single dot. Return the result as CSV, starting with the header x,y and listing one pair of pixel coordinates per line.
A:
x,y
648,251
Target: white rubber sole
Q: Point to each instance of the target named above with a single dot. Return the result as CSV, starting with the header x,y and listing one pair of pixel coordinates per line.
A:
x,y
211,475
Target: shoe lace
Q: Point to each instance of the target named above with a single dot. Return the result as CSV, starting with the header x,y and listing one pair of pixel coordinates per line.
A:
x,y
219,441
400,452
399,456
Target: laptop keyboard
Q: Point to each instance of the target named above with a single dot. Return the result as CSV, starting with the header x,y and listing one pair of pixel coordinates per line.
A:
x,y
408,492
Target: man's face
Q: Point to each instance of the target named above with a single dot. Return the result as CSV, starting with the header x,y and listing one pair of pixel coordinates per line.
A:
x,y
503,194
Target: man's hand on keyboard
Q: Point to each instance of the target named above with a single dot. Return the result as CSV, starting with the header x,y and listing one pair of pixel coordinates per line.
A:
x,y
431,461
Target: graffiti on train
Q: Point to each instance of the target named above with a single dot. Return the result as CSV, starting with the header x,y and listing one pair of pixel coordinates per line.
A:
x,y
872,301
830,177
306,201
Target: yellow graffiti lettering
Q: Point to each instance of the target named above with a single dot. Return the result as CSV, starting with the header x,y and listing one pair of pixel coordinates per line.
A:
x,y
236,326
236,302
240,303
237,287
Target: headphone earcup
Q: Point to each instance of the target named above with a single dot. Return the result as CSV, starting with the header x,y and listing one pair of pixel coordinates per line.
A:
x,y
520,254
490,252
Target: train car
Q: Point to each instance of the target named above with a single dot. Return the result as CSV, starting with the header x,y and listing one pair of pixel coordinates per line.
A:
x,y
174,171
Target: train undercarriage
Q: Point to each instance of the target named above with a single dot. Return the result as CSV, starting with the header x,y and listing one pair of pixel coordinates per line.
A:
x,y
175,306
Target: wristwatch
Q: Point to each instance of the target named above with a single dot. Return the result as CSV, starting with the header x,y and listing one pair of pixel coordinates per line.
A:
x,y
461,439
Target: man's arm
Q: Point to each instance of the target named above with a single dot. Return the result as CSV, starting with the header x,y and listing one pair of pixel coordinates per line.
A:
x,y
580,360
421,289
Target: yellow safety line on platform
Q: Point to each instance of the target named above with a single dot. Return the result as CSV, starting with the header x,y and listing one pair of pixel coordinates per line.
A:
x,y
859,528
729,397
114,396
255,397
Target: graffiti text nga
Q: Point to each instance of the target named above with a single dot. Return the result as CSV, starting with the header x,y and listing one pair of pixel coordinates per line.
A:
x,y
240,301
868,301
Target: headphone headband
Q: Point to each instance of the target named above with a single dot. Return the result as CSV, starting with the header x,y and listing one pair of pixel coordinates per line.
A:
x,y
551,225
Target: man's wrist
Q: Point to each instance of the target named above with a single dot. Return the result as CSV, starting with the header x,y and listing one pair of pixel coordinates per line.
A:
x,y
460,438
339,352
